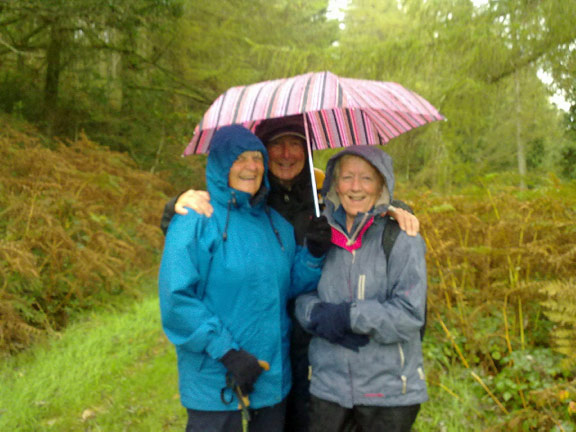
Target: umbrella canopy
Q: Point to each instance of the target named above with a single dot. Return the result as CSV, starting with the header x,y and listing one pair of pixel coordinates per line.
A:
x,y
340,112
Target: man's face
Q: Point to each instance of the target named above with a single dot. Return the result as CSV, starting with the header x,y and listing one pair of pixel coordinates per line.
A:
x,y
246,172
287,157
358,185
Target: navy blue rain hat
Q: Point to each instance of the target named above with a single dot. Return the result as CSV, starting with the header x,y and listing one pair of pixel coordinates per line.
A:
x,y
271,129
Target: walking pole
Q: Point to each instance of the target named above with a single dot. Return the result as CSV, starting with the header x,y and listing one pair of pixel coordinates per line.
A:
x,y
243,400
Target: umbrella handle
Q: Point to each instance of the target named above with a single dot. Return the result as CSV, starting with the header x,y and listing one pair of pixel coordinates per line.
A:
x,y
311,166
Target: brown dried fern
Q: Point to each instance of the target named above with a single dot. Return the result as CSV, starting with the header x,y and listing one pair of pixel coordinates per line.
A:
x,y
75,222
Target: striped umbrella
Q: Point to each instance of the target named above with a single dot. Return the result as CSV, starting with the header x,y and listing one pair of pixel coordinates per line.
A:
x,y
340,112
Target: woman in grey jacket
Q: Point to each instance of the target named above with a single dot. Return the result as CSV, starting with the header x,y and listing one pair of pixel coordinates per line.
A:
x,y
368,311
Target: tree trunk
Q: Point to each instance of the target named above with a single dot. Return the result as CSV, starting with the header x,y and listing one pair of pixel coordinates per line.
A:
x,y
520,150
53,68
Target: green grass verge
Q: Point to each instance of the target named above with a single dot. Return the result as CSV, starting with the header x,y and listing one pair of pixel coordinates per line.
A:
x,y
113,372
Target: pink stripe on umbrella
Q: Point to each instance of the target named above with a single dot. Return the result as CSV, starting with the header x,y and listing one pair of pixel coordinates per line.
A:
x,y
369,98
340,111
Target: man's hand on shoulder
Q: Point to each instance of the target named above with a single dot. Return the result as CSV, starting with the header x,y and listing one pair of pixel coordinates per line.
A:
x,y
197,200
407,221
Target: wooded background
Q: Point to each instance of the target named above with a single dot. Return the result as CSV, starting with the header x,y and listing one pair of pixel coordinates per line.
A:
x,y
98,99
136,75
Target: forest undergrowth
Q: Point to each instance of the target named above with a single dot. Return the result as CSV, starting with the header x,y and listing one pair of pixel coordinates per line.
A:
x,y
79,232
79,228
502,300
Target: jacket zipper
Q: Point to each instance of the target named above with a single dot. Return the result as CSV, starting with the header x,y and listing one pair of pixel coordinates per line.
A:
x,y
351,383
350,289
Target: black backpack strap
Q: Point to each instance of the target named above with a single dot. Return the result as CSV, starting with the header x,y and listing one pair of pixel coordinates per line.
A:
x,y
391,227
389,235
402,205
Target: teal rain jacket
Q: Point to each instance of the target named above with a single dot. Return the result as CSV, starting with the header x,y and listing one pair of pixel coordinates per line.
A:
x,y
225,280
388,304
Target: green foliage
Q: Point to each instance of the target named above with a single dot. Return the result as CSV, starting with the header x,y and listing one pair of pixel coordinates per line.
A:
x,y
500,265
479,67
524,372
137,75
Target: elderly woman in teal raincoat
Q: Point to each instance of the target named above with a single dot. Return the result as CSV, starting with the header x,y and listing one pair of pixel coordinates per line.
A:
x,y
224,283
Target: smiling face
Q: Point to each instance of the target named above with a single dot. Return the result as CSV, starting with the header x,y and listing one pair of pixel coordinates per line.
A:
x,y
246,172
358,185
287,157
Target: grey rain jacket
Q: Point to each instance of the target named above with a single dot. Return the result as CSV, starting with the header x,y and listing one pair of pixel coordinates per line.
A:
x,y
388,305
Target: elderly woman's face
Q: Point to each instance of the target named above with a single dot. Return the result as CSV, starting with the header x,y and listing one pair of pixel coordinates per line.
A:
x,y
246,172
358,185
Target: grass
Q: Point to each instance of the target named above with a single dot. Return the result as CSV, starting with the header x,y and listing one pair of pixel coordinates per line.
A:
x,y
112,372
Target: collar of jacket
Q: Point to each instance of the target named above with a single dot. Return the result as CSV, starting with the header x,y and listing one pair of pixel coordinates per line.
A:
x,y
351,244
340,235
289,202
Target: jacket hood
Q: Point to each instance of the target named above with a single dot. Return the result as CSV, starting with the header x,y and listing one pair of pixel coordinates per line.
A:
x,y
227,144
378,158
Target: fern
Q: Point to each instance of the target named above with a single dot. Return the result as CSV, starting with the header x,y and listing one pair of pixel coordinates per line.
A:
x,y
77,220
560,308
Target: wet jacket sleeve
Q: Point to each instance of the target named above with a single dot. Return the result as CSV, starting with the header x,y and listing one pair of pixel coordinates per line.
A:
x,y
304,305
186,320
306,272
402,314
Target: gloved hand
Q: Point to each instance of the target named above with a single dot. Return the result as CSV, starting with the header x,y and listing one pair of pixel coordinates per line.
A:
x,y
353,341
318,236
330,320
244,368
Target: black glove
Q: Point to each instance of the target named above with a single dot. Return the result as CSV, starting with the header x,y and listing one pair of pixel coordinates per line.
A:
x,y
330,320
244,369
353,341
318,236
